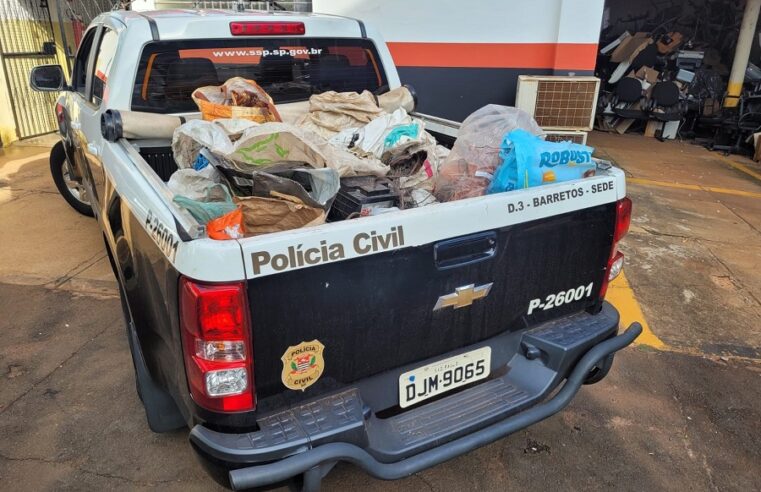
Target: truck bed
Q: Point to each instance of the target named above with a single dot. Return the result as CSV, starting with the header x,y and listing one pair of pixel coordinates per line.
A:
x,y
154,159
371,283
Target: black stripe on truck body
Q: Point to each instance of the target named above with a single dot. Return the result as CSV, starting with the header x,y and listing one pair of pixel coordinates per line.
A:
x,y
375,313
455,92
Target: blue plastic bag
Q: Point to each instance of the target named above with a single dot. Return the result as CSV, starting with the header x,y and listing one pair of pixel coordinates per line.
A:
x,y
528,161
201,162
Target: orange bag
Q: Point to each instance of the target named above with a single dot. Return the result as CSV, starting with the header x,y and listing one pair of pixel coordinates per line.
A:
x,y
236,98
228,226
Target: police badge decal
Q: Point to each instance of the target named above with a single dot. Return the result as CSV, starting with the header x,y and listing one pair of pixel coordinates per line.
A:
x,y
303,365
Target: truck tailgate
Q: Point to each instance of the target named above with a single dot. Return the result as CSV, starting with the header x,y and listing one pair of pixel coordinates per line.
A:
x,y
368,289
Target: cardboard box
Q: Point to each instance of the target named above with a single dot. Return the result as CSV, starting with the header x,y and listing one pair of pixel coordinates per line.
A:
x,y
630,47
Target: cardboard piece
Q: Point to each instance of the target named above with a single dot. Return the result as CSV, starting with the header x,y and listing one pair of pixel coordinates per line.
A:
x,y
621,70
649,74
675,40
652,127
615,43
670,129
757,145
623,125
630,47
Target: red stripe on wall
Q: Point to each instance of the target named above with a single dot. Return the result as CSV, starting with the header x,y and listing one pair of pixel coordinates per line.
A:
x,y
560,56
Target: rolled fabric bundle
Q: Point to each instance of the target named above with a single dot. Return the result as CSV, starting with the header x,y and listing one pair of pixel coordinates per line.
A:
x,y
401,97
115,124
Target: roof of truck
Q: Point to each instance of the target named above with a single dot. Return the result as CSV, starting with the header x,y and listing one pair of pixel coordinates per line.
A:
x,y
159,15
184,23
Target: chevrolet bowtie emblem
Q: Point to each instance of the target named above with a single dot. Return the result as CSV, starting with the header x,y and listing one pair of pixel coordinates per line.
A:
x,y
463,296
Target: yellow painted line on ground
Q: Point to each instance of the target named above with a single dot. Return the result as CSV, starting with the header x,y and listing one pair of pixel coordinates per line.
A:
x,y
694,187
621,295
740,167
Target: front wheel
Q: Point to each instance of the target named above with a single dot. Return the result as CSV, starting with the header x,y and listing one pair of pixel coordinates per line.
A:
x,y
70,189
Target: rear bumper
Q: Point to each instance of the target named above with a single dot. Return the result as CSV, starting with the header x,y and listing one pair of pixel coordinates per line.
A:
x,y
309,438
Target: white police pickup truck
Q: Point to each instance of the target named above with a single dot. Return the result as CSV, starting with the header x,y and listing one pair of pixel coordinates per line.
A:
x,y
394,342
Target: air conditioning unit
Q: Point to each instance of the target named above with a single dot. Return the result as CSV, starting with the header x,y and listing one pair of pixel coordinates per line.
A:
x,y
561,102
574,136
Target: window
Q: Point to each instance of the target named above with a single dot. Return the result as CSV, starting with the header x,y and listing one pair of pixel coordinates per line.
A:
x,y
288,69
105,55
79,73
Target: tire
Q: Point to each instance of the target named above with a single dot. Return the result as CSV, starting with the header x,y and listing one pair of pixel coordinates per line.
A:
x,y
67,187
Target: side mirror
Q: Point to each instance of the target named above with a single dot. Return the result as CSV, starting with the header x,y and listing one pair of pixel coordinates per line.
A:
x,y
47,78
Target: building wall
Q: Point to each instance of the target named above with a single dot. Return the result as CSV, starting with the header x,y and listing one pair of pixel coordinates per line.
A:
x,y
24,33
460,55
7,123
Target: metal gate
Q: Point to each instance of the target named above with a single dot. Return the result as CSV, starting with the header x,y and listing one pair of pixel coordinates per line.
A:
x,y
26,40
74,17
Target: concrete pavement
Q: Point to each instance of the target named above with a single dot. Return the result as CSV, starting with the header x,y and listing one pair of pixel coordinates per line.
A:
x,y
679,414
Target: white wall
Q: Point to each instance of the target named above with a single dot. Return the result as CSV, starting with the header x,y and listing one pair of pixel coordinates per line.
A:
x,y
479,21
462,54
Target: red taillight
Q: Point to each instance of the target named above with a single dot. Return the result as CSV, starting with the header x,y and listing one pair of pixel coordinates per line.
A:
x,y
616,258
59,112
623,218
217,344
266,28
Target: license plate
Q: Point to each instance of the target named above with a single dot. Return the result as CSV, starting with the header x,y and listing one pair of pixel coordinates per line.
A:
x,y
442,376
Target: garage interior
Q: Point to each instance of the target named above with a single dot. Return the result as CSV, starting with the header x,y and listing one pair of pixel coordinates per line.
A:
x,y
682,69
680,411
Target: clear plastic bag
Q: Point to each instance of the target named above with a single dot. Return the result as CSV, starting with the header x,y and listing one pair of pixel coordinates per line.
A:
x,y
196,185
469,168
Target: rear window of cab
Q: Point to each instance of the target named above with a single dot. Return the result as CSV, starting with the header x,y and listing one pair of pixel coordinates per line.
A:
x,y
288,69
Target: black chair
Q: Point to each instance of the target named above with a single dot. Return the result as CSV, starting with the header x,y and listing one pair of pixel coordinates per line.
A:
x,y
648,57
666,103
629,94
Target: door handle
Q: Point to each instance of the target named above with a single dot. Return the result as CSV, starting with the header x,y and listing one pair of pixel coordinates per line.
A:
x,y
75,125
93,149
466,250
